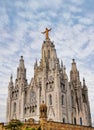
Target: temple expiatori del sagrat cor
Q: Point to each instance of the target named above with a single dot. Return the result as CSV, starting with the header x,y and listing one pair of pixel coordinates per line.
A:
x,y
66,100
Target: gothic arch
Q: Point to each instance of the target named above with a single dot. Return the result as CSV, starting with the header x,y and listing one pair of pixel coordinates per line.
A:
x,y
75,120
81,122
64,120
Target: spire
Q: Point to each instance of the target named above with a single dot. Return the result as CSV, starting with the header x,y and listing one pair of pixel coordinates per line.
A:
x,y
21,71
74,68
21,65
49,56
65,75
74,73
61,64
84,84
11,78
11,81
36,64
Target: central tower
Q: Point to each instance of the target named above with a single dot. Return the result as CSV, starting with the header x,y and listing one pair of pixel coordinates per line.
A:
x,y
52,80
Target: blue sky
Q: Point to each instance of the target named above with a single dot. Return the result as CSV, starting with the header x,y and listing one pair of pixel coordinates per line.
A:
x,y
21,24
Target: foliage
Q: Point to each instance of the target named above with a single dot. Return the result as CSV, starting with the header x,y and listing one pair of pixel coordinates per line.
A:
x,y
39,128
14,125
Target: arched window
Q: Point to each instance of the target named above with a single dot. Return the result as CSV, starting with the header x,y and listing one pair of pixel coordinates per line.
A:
x,y
50,99
63,120
14,109
25,111
74,120
12,94
33,110
81,121
62,99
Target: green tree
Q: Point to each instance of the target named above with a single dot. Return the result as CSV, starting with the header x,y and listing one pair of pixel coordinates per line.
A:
x,y
14,125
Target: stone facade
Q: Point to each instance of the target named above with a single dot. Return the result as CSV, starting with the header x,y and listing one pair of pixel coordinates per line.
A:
x,y
66,100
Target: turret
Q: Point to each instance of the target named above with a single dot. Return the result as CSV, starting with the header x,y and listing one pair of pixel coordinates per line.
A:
x,y
11,82
21,71
84,85
61,64
65,75
48,50
85,91
86,100
36,64
35,68
74,73
49,57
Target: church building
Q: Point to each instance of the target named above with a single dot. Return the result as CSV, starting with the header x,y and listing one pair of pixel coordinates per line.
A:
x,y
66,99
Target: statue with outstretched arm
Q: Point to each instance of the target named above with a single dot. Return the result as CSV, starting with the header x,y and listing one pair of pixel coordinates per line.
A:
x,y
46,32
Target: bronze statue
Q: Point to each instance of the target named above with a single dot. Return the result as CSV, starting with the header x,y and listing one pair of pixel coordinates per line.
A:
x,y
46,32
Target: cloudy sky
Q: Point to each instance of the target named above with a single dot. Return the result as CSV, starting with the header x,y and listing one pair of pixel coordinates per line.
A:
x,y
21,24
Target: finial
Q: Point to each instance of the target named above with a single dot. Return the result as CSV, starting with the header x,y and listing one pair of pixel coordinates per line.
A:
x,y
64,69
21,62
36,61
84,85
21,57
61,63
83,81
35,65
73,60
65,75
46,32
11,78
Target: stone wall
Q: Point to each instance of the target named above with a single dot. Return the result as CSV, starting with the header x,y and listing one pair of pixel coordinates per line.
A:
x,y
49,125
59,126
